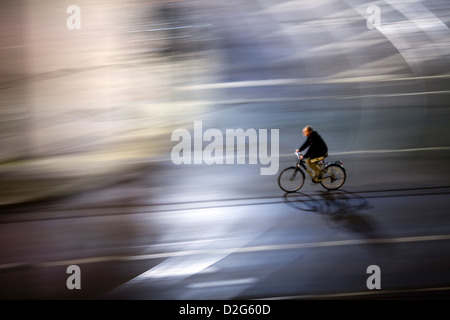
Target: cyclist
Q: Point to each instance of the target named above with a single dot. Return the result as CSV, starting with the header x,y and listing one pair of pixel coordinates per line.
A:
x,y
317,150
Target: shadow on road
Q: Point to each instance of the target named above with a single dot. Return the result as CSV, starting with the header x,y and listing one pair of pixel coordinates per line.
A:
x,y
330,203
341,208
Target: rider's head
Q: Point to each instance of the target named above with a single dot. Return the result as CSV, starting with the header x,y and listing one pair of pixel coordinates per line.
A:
x,y
307,131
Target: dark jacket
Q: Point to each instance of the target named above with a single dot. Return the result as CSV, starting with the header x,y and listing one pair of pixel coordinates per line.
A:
x,y
317,147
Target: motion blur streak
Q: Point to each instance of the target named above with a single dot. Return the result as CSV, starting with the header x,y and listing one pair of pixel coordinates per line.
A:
x,y
92,90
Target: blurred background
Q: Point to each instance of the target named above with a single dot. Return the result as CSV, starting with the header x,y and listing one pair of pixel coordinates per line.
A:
x,y
91,92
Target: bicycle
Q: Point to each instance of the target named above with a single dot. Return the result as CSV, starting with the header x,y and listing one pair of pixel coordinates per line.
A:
x,y
332,177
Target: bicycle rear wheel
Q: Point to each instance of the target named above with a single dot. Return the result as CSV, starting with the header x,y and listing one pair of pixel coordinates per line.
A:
x,y
291,179
334,177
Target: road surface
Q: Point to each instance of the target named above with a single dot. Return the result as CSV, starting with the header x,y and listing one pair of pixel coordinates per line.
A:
x,y
226,231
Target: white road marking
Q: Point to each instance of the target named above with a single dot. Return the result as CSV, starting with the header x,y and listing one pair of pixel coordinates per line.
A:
x,y
337,97
226,251
337,153
306,81
179,268
379,151
235,282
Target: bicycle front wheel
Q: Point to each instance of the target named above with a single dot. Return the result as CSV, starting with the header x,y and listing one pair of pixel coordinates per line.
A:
x,y
291,179
334,177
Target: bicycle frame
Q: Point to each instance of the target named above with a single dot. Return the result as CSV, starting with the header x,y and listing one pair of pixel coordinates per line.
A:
x,y
301,164
324,165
